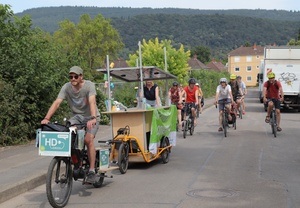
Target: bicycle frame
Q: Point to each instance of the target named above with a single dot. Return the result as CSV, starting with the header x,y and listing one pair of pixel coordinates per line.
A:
x,y
188,121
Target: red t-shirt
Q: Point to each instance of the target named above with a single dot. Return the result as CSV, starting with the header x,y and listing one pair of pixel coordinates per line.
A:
x,y
272,89
190,94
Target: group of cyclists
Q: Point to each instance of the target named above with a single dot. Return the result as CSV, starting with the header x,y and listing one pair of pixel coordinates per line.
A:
x,y
229,95
233,92
186,97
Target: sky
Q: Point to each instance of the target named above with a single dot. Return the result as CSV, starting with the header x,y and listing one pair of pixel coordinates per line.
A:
x,y
294,5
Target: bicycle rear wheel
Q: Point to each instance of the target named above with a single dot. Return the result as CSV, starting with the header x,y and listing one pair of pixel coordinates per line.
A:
x,y
59,181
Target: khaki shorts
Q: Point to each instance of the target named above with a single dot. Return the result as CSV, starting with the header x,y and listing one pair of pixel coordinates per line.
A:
x,y
81,121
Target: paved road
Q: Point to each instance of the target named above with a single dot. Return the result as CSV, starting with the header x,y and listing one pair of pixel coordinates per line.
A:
x,y
249,168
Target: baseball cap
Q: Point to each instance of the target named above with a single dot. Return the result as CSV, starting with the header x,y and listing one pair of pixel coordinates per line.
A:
x,y
76,69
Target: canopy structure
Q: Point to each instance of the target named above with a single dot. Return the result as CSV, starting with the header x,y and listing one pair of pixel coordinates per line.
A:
x,y
132,74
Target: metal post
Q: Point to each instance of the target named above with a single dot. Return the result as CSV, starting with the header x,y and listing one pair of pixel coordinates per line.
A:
x,y
141,73
166,82
108,80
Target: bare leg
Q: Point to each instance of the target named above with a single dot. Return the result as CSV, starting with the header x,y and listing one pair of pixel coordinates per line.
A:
x,y
89,141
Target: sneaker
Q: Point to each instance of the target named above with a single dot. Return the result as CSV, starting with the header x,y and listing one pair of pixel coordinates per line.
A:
x,y
91,177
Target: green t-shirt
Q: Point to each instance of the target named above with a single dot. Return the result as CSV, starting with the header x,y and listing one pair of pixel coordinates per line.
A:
x,y
79,101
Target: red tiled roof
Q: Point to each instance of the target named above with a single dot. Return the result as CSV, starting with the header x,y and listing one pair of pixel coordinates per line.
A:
x,y
194,63
247,51
218,66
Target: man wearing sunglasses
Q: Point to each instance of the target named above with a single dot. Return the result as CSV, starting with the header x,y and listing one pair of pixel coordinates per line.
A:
x,y
81,97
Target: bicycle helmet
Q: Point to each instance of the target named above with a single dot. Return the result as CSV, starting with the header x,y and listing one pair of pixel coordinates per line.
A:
x,y
271,75
175,83
223,80
232,76
192,81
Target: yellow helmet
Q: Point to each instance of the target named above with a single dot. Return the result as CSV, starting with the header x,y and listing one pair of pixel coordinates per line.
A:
x,y
271,75
232,76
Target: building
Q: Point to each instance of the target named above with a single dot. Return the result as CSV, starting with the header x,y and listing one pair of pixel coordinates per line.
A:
x,y
216,65
245,62
195,64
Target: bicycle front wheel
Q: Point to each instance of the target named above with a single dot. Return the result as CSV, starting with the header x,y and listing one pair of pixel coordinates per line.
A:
x,y
59,181
123,159
184,128
225,124
273,123
192,126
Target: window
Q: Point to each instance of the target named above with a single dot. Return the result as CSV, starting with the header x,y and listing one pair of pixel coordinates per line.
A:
x,y
248,68
249,78
249,58
237,69
257,67
257,57
236,59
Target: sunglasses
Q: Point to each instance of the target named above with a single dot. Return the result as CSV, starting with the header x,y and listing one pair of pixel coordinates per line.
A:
x,y
75,76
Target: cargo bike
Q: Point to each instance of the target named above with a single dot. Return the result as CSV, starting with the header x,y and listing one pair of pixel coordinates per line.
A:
x,y
70,161
141,133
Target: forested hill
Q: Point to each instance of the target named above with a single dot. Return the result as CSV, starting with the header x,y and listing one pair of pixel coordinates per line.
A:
x,y
220,30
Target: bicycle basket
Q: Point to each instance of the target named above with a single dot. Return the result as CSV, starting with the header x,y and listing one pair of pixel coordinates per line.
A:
x,y
54,127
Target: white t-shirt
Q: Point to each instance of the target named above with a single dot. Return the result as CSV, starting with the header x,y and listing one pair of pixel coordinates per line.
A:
x,y
223,92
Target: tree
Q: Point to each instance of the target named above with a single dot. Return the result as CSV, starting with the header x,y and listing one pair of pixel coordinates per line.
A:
x,y
29,76
295,42
153,55
90,39
202,52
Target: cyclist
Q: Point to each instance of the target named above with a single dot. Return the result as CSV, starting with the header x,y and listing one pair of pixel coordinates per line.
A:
x,y
223,94
190,93
81,97
235,90
242,86
176,99
200,97
273,96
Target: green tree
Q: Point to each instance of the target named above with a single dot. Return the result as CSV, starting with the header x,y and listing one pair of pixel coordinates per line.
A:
x,y
202,52
153,55
89,41
29,75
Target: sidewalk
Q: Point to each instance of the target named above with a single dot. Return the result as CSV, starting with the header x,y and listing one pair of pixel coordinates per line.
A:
x,y
23,169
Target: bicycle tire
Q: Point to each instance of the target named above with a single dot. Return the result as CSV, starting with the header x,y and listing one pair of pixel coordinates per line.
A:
x,y
59,177
123,158
225,124
165,153
99,183
274,125
184,128
192,126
